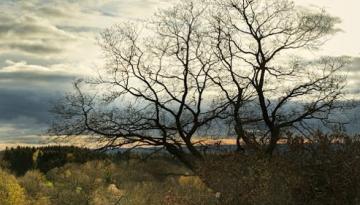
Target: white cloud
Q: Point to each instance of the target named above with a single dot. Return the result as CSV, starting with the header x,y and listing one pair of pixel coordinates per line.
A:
x,y
14,69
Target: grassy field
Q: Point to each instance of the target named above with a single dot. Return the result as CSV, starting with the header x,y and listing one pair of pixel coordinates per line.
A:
x,y
304,174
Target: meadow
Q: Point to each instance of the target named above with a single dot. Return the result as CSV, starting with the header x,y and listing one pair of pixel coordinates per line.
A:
x,y
324,172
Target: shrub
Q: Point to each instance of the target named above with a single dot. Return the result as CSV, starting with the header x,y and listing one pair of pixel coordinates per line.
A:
x,y
326,171
11,193
192,181
251,179
37,187
107,195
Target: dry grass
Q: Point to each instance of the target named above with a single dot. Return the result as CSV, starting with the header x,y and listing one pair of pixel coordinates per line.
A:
x,y
326,171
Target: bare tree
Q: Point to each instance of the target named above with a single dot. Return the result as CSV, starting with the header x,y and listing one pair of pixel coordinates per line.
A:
x,y
229,77
263,37
168,80
155,89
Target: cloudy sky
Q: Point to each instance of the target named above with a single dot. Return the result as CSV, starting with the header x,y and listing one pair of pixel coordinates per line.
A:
x,y
46,44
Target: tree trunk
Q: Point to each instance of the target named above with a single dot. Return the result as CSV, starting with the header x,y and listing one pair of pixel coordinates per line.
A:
x,y
241,134
193,151
180,156
239,148
275,133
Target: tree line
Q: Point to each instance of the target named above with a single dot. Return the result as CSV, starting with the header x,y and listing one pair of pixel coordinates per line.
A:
x,y
19,160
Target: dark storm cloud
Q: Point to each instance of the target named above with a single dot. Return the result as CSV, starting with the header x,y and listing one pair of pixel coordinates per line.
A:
x,y
24,113
24,103
30,93
25,100
33,78
27,92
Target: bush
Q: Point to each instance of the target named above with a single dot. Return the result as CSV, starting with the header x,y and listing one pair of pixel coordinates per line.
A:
x,y
11,192
241,179
105,182
326,171
107,195
37,187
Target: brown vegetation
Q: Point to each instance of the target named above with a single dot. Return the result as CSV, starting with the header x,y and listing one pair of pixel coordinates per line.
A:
x,y
326,171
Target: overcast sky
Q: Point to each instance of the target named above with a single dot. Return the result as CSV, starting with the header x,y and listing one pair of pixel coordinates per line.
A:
x,y
46,44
